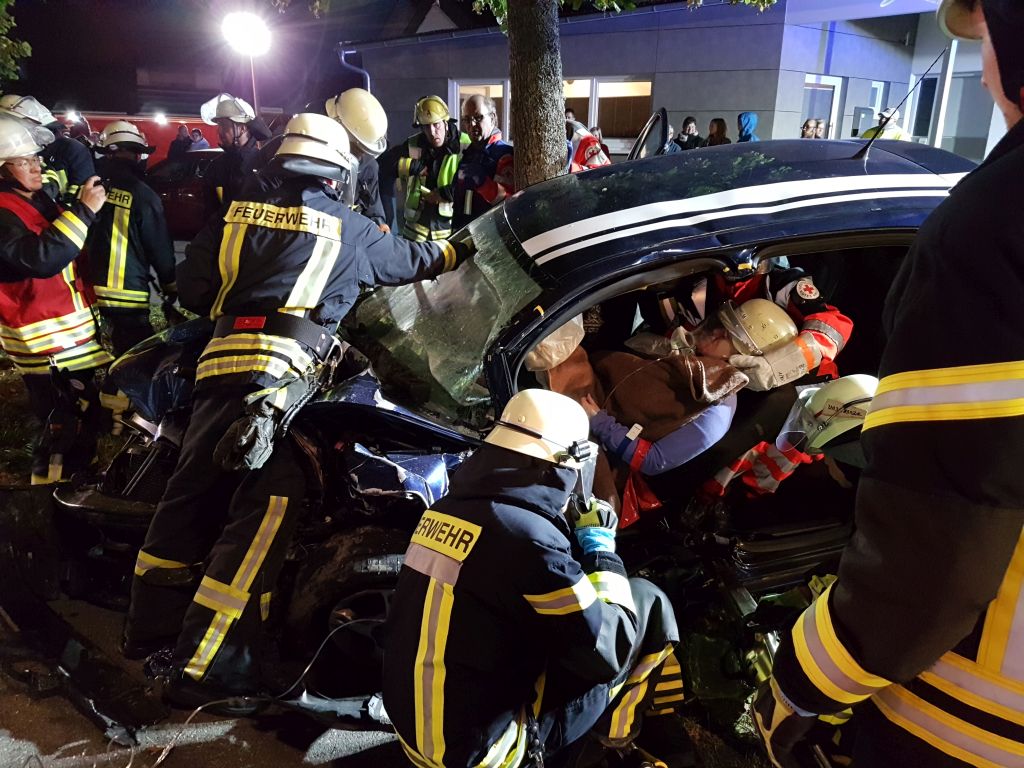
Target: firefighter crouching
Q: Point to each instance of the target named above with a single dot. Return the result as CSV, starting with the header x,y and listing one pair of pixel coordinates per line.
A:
x,y
45,318
923,632
278,274
514,630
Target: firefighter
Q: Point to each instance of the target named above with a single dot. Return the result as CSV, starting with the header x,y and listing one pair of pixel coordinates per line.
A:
x,y
68,162
239,130
486,171
514,630
366,121
888,126
129,241
46,325
277,274
921,633
426,169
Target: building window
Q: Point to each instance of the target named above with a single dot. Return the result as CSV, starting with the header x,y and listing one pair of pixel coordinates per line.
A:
x,y
623,107
925,106
466,88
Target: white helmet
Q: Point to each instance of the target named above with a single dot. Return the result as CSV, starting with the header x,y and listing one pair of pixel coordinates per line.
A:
x,y
839,406
121,134
363,117
27,107
225,106
317,145
544,425
17,139
891,114
757,326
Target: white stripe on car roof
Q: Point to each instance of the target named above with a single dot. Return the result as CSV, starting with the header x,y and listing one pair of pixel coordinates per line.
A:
x,y
763,193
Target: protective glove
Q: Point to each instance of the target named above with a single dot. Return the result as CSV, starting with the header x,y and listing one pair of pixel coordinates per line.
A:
x,y
780,728
772,369
472,175
595,528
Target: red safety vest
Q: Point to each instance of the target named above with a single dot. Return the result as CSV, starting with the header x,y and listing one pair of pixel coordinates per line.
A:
x,y
47,317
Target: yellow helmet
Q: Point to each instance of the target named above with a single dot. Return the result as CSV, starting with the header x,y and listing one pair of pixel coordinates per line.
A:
x,y
430,110
757,326
542,424
363,117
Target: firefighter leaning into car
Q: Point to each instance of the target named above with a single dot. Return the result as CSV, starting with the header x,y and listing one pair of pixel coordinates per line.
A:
x,y
514,630
922,632
239,130
46,323
426,168
367,123
68,163
278,274
486,171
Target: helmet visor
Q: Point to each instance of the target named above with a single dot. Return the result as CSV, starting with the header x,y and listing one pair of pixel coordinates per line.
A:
x,y
730,320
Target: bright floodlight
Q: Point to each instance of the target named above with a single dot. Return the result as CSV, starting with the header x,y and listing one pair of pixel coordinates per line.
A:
x,y
160,118
246,33
71,116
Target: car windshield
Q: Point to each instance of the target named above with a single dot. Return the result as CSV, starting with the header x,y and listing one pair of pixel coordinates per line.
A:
x,y
427,341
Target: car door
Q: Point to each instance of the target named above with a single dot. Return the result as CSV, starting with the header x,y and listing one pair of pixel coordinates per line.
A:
x,y
652,138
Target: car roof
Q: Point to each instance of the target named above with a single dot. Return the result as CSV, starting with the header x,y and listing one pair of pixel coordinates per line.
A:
x,y
737,196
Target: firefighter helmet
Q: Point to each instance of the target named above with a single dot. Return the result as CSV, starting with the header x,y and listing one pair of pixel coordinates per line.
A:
x,y
542,424
18,139
363,117
318,146
224,106
839,406
27,107
430,110
757,326
121,134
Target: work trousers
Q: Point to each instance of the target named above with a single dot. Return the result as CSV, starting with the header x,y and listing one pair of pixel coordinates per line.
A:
x,y
69,414
651,674
127,328
237,524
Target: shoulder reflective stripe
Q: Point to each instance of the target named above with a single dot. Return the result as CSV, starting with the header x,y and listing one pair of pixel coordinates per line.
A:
x,y
147,562
293,219
1002,639
448,251
429,672
228,261
309,287
761,210
624,714
763,194
578,597
221,598
979,684
68,231
433,564
118,249
612,588
240,584
947,733
824,660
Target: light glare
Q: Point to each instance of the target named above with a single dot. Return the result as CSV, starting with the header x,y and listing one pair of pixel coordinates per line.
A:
x,y
160,118
246,33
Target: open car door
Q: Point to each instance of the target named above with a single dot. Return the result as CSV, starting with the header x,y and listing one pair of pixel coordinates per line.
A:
x,y
652,138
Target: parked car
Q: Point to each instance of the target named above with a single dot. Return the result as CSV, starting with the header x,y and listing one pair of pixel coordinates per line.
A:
x,y
181,188
448,354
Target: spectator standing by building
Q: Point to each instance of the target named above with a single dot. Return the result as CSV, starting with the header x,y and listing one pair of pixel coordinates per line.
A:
x,y
198,140
688,137
599,135
718,133
809,127
821,125
747,124
486,171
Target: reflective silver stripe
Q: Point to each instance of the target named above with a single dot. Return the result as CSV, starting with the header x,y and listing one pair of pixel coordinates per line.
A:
x,y
221,598
1008,389
430,563
817,326
946,733
968,676
816,646
613,588
309,287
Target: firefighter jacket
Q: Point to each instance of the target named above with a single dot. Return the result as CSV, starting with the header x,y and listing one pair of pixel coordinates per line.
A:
x,y
295,250
926,619
228,173
493,588
67,165
422,170
129,239
486,177
368,190
44,309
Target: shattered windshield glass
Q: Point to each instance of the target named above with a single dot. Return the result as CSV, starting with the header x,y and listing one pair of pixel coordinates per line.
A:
x,y
426,341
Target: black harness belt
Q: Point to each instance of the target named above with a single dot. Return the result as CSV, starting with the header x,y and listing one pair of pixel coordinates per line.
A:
x,y
299,329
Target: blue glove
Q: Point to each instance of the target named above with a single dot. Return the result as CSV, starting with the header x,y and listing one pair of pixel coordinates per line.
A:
x,y
595,529
472,175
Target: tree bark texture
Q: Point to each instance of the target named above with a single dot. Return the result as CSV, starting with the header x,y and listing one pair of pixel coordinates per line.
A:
x,y
535,66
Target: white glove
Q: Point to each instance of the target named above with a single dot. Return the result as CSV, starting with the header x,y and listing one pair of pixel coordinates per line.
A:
x,y
772,369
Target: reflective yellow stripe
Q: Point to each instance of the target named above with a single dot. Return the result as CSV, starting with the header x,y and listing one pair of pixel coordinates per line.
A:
x,y
118,250
624,714
964,374
225,366
404,164
228,262
77,300
612,588
1001,617
253,349
578,597
310,285
122,293
265,605
448,250
70,233
294,219
49,325
429,672
220,194
147,562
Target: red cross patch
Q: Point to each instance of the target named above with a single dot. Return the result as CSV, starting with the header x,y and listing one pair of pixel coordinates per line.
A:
x,y
805,290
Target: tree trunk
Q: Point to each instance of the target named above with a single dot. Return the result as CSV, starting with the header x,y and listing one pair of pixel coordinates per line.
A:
x,y
538,115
